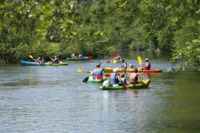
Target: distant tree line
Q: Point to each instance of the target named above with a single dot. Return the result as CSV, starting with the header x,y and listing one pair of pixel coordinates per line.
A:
x,y
99,27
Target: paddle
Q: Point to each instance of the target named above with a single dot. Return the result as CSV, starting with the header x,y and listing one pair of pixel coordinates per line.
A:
x,y
114,54
86,79
107,75
82,71
31,57
127,88
140,62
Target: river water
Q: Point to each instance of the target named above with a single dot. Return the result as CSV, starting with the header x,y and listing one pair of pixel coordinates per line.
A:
x,y
53,99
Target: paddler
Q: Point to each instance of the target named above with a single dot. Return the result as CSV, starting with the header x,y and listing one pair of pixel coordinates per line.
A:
x,y
73,55
147,64
80,56
38,60
117,58
98,72
123,65
55,60
115,78
134,77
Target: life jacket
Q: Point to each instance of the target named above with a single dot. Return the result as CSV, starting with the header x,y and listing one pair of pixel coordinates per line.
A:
x,y
149,66
72,56
113,79
133,78
98,71
123,64
56,60
117,58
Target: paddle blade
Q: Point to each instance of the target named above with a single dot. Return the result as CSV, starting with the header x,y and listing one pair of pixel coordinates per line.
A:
x,y
31,56
107,75
85,79
114,54
140,60
107,61
80,70
127,88
89,57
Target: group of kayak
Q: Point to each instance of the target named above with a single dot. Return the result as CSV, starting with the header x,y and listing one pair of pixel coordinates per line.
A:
x,y
54,61
112,81
119,81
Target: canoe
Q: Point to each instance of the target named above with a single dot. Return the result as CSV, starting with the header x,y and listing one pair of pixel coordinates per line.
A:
x,y
77,59
132,86
92,80
110,70
27,63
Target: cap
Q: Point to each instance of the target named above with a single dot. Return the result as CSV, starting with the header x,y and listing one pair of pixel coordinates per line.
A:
x,y
147,59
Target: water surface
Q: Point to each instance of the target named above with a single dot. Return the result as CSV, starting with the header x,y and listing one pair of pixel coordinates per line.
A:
x,y
49,99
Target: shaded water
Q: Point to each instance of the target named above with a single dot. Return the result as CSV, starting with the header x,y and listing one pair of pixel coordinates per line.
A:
x,y
53,99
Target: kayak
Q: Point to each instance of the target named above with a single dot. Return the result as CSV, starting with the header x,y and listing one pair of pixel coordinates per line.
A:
x,y
27,63
77,59
132,86
110,70
92,80
116,61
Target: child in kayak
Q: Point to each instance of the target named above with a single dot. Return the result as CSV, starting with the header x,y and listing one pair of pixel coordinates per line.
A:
x,y
115,78
123,78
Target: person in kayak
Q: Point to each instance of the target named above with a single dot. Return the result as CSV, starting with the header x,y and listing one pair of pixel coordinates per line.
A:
x,y
123,65
115,78
147,65
73,55
123,78
55,60
98,72
80,56
117,58
131,67
38,60
134,77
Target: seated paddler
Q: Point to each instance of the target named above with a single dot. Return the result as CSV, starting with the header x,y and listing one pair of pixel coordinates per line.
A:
x,y
123,65
117,58
55,60
134,77
115,78
97,72
147,64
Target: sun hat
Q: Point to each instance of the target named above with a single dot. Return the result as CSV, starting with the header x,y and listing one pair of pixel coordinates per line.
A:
x,y
130,65
147,59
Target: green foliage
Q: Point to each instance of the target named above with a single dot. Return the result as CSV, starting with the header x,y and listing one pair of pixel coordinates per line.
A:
x,y
190,54
97,28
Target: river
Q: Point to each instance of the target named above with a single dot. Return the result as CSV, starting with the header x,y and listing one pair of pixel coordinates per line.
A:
x,y
53,99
